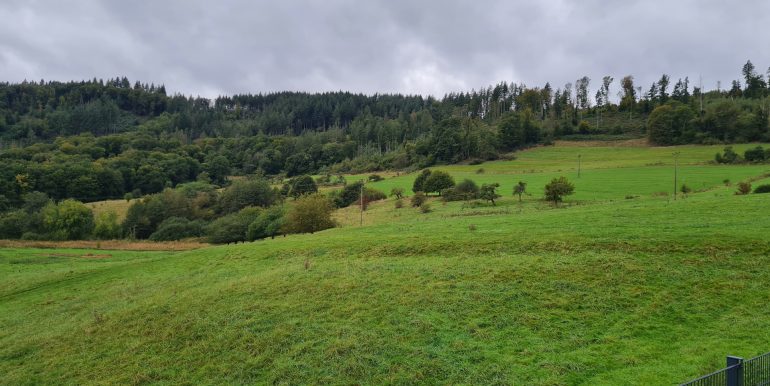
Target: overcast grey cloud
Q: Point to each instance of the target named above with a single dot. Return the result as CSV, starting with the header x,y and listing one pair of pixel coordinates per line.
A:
x,y
210,48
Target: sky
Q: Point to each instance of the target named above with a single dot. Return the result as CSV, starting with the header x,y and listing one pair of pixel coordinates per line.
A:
x,y
428,47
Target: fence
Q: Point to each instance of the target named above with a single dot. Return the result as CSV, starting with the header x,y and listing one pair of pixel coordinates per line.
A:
x,y
739,372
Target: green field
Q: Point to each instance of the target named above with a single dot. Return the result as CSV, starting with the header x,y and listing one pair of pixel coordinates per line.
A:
x,y
603,290
606,172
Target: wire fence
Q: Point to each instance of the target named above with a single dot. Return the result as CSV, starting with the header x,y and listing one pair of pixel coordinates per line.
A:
x,y
739,372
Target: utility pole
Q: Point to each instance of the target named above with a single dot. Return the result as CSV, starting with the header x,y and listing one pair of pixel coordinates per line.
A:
x,y
676,166
578,165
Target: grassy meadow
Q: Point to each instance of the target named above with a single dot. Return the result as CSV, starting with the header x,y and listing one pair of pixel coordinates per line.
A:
x,y
607,172
620,285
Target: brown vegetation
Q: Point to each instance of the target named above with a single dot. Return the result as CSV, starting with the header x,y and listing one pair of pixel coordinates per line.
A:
x,y
106,244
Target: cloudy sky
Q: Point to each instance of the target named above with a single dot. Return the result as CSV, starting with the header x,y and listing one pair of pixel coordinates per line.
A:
x,y
210,48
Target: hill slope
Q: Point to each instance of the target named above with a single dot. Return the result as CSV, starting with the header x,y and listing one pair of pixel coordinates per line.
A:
x,y
596,292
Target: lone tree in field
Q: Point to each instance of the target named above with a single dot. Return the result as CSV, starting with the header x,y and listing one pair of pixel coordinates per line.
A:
x,y
310,213
417,186
557,189
397,192
438,181
519,189
489,192
418,199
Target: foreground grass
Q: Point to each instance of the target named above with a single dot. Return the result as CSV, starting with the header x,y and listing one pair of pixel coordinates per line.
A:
x,y
639,291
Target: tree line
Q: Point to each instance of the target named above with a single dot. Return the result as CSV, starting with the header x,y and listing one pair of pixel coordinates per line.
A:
x,y
97,139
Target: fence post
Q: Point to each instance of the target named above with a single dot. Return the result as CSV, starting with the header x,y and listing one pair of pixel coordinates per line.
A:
x,y
735,374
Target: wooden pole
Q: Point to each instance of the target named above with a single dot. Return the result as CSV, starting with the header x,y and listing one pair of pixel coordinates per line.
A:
x,y
579,165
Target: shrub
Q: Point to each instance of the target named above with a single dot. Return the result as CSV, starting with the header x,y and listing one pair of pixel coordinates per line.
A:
x,y
232,227
69,220
195,188
519,189
425,208
489,192
467,187
762,189
11,224
465,190
729,156
309,214
670,124
371,195
246,193
419,182
348,195
418,199
743,188
584,127
300,186
177,228
107,226
438,181
144,215
756,154
557,189
33,236
267,224
397,192
326,179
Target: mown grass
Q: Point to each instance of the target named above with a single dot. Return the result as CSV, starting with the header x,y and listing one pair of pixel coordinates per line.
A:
x,y
599,291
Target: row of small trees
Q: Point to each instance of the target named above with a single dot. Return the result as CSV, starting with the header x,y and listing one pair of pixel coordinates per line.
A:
x,y
442,184
754,155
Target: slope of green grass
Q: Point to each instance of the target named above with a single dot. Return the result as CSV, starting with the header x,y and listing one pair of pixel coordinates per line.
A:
x,y
606,172
660,292
600,291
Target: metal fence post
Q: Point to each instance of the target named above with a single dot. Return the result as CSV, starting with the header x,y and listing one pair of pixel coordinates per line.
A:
x,y
735,373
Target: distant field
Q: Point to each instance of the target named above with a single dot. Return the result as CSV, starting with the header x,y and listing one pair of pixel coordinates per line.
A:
x,y
603,290
119,207
606,172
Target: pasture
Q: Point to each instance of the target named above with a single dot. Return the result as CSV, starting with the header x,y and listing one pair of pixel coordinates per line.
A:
x,y
602,290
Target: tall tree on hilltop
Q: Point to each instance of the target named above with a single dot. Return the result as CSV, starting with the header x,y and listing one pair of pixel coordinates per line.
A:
x,y
628,98
581,94
663,88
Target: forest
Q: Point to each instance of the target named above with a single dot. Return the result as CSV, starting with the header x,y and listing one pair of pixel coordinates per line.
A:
x,y
67,142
